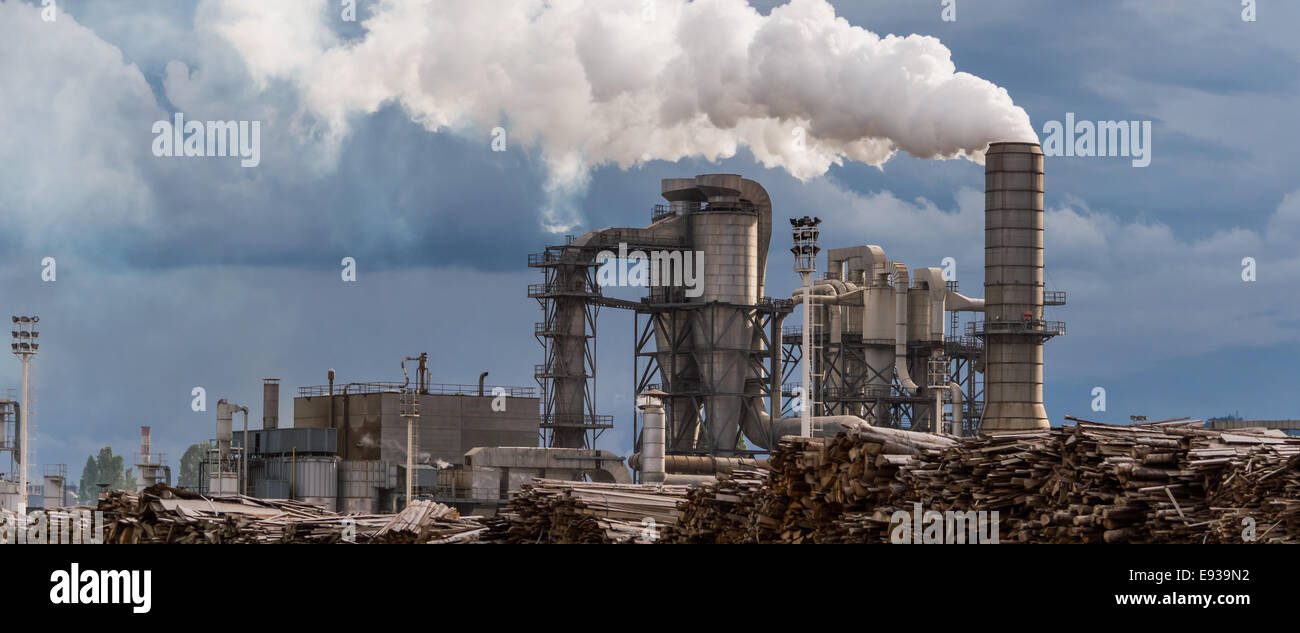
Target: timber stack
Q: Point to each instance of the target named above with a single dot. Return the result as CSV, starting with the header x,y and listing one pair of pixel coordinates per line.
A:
x,y
564,512
1164,482
162,514
721,512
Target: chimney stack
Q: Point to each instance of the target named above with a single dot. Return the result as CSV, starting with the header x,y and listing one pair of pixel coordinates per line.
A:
x,y
1013,327
270,403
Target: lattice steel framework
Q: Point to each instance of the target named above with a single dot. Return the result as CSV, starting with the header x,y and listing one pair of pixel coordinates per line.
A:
x,y
660,366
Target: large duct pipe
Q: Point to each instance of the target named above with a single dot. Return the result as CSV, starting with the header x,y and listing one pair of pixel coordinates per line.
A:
x,y
243,453
900,328
896,441
699,464
957,397
1013,287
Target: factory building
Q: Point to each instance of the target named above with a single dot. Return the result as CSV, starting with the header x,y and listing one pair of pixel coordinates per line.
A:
x,y
886,345
348,448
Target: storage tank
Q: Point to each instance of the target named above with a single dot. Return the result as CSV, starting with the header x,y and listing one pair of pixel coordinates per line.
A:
x,y
726,232
316,480
225,427
358,486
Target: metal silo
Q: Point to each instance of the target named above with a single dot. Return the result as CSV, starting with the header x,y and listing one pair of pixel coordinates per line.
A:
x,y
725,230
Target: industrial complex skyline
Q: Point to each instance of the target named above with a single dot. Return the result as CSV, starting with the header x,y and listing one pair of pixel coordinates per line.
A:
x,y
171,274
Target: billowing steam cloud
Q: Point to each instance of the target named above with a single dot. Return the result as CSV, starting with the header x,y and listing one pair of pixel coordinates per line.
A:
x,y
587,82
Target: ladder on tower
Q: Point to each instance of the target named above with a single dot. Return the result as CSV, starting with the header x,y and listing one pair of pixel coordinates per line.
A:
x,y
816,367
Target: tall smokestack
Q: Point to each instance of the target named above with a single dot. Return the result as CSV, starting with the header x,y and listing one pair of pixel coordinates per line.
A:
x,y
270,403
1013,328
144,445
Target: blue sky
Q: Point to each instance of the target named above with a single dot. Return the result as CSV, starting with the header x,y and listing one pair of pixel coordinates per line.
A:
x,y
175,273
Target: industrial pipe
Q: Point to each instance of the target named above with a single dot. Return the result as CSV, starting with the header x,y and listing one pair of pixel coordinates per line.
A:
x,y
900,328
956,408
331,421
699,464
481,378
243,454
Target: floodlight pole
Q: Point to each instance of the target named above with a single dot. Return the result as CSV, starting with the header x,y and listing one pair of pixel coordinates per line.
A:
x,y
22,438
24,348
804,233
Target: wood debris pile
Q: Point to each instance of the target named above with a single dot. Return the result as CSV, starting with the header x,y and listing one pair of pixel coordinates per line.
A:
x,y
555,511
1143,483
1259,497
161,514
429,523
722,512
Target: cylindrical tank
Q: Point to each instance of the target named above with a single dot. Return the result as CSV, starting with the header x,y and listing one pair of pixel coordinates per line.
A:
x,y
1013,287
358,486
918,315
652,442
225,427
316,480
726,232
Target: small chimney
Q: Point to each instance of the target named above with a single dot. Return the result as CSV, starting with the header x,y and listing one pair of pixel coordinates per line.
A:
x,y
270,403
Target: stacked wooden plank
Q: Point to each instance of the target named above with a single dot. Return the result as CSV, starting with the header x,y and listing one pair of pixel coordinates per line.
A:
x,y
161,514
428,522
1171,482
782,510
1258,498
721,512
555,511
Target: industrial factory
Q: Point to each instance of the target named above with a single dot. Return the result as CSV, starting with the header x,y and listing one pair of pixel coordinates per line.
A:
x,y
723,372
721,368
893,387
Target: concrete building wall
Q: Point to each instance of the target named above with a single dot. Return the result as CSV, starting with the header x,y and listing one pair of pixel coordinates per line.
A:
x,y
449,425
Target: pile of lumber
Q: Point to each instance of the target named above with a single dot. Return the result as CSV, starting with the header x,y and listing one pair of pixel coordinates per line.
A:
x,y
721,512
428,522
1165,482
161,514
1258,499
1154,483
555,511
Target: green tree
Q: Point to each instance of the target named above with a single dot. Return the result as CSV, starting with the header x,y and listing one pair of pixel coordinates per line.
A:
x,y
190,461
89,477
105,468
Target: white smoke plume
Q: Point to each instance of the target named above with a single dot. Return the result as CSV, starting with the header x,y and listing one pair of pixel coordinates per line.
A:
x,y
590,82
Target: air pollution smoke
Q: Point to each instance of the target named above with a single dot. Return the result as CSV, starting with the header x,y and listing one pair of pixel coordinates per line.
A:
x,y
590,82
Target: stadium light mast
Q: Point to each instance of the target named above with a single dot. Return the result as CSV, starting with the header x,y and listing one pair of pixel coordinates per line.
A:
x,y
804,231
24,346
